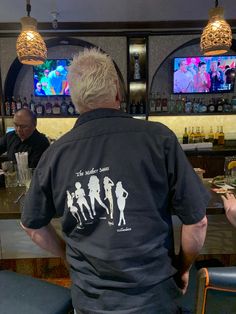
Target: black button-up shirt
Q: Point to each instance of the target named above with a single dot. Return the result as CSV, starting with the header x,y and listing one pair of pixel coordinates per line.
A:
x,y
115,181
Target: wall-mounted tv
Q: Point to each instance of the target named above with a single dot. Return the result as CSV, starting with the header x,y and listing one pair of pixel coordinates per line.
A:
x,y
211,74
50,78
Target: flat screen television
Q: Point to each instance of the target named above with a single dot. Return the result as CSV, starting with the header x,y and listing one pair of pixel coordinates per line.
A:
x,y
200,74
50,78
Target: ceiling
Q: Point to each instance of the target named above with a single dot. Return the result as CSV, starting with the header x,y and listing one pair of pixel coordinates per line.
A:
x,y
111,11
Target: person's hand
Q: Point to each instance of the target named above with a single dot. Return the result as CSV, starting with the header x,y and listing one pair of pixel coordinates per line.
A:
x,y
229,201
182,280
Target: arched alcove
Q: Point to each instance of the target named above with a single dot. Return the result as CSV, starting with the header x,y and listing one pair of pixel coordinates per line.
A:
x,y
162,79
19,79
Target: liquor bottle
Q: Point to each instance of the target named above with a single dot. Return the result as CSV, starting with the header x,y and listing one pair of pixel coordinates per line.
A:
x,y
192,136
197,137
196,105
211,106
216,136
211,135
164,104
25,104
227,106
152,102
158,103
7,107
233,103
71,108
185,136
13,105
220,105
133,109
179,105
141,107
137,75
32,104
221,137
171,104
202,106
203,135
48,108
18,104
64,107
39,109
56,109
188,106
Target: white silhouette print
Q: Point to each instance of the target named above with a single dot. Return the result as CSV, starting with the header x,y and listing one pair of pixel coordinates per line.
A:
x,y
121,195
108,184
94,193
81,200
73,209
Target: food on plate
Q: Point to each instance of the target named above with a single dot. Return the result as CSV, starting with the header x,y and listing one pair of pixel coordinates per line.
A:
x,y
232,164
218,180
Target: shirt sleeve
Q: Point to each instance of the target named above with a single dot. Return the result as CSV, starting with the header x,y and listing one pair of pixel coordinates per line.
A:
x,y
38,207
3,144
189,197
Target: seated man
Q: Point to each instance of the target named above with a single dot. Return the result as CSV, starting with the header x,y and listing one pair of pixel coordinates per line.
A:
x,y
25,138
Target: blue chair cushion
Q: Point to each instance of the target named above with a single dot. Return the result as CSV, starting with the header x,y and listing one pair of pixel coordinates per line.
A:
x,y
23,294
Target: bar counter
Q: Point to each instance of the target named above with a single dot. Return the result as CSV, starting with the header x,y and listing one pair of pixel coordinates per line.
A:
x,y
214,151
11,201
10,208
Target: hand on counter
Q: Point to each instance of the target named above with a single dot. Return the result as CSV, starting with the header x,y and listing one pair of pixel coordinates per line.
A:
x,y
229,202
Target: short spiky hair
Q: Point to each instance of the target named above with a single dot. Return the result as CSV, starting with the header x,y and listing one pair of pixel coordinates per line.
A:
x,y
92,79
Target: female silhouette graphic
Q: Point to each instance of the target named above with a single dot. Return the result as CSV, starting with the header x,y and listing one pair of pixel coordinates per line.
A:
x,y
121,195
94,193
81,200
108,184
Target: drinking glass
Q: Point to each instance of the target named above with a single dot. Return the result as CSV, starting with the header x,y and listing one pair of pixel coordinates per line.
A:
x,y
230,170
10,174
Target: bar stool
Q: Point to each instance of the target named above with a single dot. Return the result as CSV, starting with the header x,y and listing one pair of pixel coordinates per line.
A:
x,y
23,294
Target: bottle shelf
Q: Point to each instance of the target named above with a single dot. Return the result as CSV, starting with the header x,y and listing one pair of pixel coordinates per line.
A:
x,y
190,114
48,116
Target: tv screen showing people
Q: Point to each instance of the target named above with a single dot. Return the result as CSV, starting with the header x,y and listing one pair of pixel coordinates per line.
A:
x,y
212,74
50,78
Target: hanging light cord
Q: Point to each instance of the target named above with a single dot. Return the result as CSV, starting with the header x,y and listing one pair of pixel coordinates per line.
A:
x,y
216,4
28,7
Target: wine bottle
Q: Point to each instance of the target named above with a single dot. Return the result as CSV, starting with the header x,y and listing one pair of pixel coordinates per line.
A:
x,y
48,108
18,103
13,105
185,136
32,104
39,109
64,107
25,104
7,107
221,137
71,108
56,109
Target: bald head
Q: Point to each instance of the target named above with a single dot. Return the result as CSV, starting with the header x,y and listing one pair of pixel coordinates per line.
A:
x,y
25,123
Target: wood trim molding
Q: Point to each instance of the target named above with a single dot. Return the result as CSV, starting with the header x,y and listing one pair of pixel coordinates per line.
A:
x,y
114,28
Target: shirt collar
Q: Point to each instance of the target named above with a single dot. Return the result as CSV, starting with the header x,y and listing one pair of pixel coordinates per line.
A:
x,y
99,114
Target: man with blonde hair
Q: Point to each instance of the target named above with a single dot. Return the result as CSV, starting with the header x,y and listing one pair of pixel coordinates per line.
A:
x,y
126,268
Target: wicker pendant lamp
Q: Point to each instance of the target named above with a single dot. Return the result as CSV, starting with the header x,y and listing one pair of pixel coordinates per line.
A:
x,y
216,37
30,46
